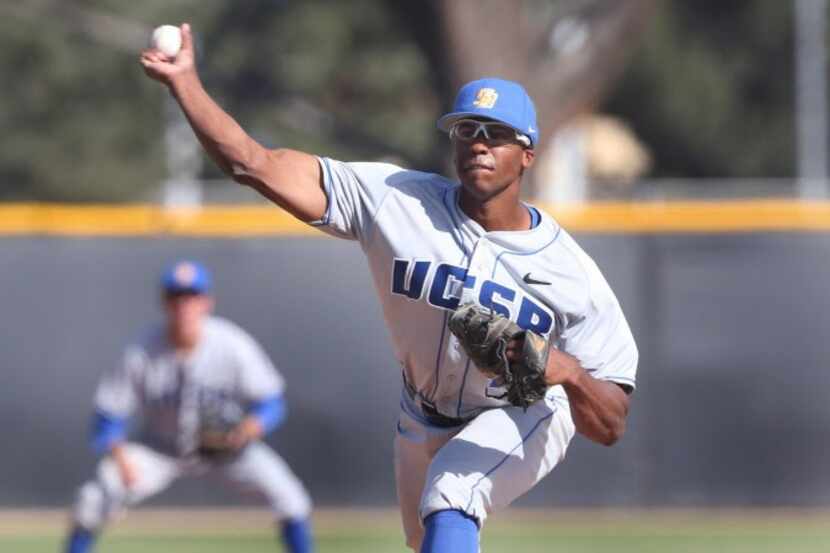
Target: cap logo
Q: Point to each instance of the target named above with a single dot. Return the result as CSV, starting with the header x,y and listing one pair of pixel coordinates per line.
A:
x,y
184,274
486,98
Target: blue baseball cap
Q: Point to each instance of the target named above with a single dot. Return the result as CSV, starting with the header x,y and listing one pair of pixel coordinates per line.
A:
x,y
186,277
498,99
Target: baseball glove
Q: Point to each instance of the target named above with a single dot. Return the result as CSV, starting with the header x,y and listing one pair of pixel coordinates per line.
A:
x,y
216,426
485,335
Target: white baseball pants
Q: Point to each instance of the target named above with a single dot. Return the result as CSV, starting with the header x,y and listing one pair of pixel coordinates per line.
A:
x,y
258,469
480,467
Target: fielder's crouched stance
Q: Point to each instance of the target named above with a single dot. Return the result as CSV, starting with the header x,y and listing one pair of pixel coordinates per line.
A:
x,y
207,393
474,434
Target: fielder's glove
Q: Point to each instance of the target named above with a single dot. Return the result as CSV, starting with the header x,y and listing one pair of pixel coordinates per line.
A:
x,y
216,437
485,335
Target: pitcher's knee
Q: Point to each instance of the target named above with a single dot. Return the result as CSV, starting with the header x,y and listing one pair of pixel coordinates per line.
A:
x,y
470,495
300,505
289,501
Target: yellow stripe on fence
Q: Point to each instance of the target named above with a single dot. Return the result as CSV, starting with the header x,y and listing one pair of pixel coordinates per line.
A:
x,y
145,220
265,220
696,217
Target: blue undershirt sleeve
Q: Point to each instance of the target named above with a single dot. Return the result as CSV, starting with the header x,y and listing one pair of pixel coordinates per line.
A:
x,y
270,412
106,431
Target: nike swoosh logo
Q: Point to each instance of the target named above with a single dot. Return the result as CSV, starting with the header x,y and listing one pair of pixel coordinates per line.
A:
x,y
530,280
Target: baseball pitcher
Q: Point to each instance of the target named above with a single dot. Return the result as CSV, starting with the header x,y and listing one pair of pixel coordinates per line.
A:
x,y
509,338
206,393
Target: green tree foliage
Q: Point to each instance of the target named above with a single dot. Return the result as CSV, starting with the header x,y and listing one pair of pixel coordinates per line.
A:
x,y
711,89
77,119
82,123
335,78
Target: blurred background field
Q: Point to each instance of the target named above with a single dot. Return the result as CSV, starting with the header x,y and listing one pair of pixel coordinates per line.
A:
x,y
685,146
531,531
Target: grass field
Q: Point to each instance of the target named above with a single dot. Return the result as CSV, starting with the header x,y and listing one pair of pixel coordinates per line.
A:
x,y
377,531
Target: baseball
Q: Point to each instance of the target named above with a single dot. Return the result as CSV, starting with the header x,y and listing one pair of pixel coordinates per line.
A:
x,y
167,39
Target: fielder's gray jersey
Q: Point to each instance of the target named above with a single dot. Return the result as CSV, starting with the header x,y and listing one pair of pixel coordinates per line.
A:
x,y
225,373
427,257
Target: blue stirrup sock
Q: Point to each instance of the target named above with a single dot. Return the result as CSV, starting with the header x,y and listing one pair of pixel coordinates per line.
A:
x,y
296,534
450,531
80,540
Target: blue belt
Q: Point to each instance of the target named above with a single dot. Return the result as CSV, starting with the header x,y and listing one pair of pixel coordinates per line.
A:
x,y
428,410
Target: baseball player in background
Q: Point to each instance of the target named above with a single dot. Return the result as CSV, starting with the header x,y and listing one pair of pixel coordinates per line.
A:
x,y
207,393
433,244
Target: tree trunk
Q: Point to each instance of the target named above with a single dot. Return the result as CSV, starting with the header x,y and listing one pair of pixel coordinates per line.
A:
x,y
565,52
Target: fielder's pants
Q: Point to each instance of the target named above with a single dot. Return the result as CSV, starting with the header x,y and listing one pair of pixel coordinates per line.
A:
x,y
257,469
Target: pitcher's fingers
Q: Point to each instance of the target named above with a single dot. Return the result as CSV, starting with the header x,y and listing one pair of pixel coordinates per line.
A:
x,y
152,56
187,37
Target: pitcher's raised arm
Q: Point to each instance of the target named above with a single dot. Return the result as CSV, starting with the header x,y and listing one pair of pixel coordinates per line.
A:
x,y
289,178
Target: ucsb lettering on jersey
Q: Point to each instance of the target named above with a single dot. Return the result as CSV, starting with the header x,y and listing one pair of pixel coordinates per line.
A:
x,y
445,283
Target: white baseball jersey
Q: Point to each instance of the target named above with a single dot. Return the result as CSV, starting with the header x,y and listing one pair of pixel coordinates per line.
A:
x,y
226,372
427,257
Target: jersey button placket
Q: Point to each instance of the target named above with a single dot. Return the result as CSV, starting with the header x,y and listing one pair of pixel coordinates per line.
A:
x,y
468,291
481,262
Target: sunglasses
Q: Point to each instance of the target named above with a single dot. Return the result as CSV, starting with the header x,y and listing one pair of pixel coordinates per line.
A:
x,y
467,130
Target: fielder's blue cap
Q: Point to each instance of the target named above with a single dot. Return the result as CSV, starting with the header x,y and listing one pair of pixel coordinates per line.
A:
x,y
498,99
186,277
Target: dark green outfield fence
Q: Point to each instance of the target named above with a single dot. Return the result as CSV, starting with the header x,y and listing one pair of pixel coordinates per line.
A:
x,y
733,405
